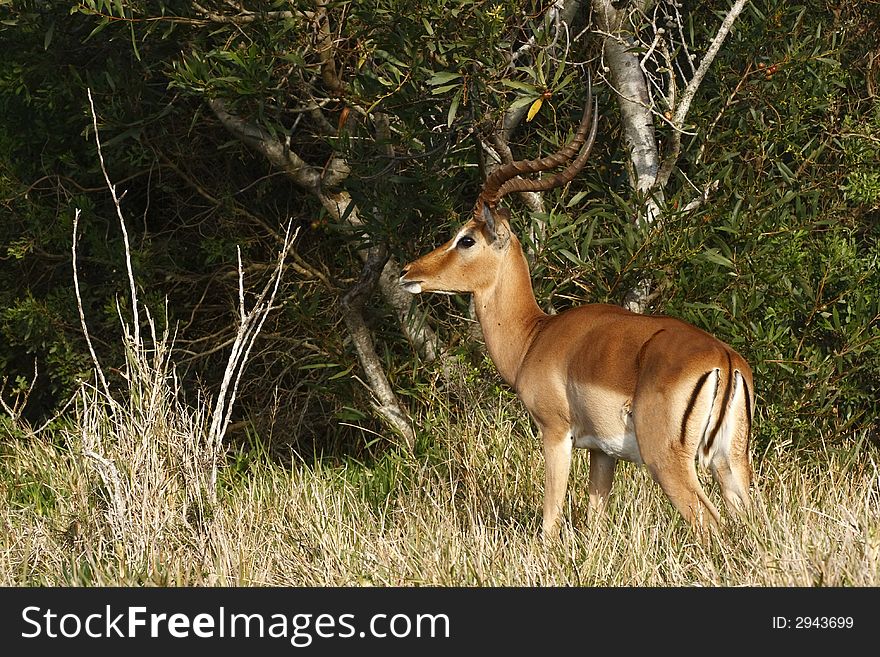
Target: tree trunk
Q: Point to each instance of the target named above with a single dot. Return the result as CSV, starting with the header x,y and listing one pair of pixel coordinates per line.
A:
x,y
639,137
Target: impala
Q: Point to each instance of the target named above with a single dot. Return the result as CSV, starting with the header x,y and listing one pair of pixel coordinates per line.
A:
x,y
653,390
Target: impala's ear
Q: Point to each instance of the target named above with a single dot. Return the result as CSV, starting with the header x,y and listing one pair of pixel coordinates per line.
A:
x,y
489,220
497,232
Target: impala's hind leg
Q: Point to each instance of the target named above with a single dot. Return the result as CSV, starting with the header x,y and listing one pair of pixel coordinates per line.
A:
x,y
677,477
729,463
601,476
733,477
673,466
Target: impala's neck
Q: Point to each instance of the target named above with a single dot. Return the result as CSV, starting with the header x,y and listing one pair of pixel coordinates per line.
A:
x,y
508,313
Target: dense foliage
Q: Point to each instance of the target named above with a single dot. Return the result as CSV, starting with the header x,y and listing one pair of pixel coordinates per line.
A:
x,y
781,260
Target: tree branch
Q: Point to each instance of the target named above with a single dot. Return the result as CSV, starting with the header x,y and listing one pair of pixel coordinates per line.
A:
x,y
378,267
690,91
631,79
327,50
341,206
629,82
245,16
280,154
136,328
387,404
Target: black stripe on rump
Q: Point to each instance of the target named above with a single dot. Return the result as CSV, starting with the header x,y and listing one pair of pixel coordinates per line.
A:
x,y
725,401
748,409
691,402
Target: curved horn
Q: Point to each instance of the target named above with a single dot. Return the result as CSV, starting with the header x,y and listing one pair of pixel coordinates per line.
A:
x,y
508,178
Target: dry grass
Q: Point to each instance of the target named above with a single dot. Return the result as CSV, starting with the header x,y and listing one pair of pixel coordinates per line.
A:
x,y
466,512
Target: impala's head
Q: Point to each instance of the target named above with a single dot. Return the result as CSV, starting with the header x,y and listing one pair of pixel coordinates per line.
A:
x,y
468,261
471,259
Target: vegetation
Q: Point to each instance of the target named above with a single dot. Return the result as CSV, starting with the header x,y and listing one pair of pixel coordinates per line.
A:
x,y
367,126
465,511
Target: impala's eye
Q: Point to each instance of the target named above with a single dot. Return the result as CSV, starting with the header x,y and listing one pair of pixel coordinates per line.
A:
x,y
465,242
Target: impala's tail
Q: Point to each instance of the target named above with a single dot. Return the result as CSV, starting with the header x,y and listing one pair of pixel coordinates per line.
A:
x,y
724,443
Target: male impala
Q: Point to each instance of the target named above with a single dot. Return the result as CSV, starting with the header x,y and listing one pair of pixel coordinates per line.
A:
x,y
647,389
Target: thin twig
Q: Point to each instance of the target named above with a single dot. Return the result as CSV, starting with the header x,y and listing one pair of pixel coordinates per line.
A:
x,y
690,90
112,188
251,324
19,404
82,316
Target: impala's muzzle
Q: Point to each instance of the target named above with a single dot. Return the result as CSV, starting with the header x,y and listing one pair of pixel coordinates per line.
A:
x,y
413,287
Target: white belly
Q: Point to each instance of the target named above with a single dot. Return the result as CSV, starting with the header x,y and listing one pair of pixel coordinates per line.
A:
x,y
602,419
623,446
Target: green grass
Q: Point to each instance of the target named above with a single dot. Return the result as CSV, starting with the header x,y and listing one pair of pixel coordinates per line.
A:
x,y
463,511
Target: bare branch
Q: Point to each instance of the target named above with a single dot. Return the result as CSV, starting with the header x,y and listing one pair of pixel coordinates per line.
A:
x,y
251,323
21,397
116,202
339,204
422,337
690,91
695,203
82,316
327,49
684,45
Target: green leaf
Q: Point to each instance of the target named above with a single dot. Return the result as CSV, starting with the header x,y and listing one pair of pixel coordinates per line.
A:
x,y
700,305
713,255
560,85
104,22
575,199
388,57
572,257
453,108
341,374
442,90
47,40
519,102
443,77
521,86
587,241
134,47
787,173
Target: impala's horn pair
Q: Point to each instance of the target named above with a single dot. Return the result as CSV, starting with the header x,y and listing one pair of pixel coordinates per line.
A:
x,y
509,177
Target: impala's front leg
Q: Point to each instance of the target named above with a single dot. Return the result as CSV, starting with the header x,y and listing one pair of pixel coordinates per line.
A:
x,y
557,463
